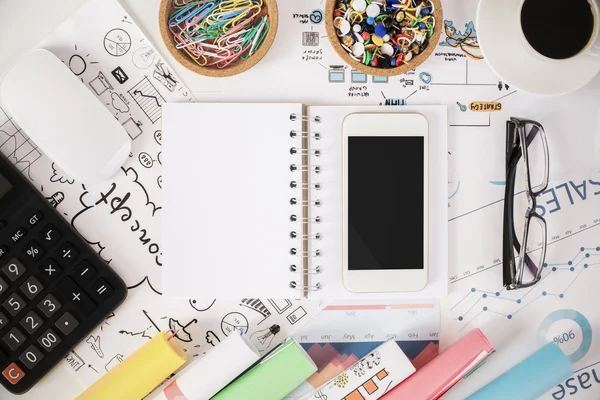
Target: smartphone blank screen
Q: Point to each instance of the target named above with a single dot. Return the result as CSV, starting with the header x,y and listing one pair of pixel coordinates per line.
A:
x,y
385,203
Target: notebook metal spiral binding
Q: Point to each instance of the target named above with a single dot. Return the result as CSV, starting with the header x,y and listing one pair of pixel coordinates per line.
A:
x,y
305,202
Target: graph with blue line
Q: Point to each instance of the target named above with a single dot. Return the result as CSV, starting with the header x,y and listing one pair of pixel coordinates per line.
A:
x,y
563,275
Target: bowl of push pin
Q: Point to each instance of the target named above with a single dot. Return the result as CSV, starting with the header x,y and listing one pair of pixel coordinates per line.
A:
x,y
218,38
384,37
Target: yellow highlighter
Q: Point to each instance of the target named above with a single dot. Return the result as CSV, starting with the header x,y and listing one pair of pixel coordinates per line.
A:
x,y
141,372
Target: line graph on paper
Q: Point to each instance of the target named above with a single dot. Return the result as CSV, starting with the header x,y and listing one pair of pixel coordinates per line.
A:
x,y
478,298
570,208
16,146
558,277
148,98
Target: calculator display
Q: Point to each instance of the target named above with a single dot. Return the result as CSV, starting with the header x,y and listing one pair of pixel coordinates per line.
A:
x,y
5,186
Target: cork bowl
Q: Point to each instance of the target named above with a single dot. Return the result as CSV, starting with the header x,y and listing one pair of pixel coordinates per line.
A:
x,y
237,67
367,69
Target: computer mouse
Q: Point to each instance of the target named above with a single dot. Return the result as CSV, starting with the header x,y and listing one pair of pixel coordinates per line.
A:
x,y
60,115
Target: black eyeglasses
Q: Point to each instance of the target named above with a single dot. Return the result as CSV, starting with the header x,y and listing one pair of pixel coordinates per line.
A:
x,y
526,155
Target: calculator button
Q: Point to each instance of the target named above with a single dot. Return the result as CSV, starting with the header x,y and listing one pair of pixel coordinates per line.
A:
x,y
31,357
18,235
49,340
33,250
3,320
50,235
3,286
31,322
14,269
102,289
49,305
14,338
3,250
50,269
35,218
14,304
75,295
13,373
31,287
67,253
66,323
84,272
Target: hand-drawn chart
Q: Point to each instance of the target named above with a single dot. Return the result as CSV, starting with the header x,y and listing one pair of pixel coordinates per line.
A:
x,y
148,98
234,322
117,42
258,306
17,147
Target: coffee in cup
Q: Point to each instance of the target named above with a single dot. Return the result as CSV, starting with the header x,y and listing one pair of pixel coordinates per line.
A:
x,y
544,24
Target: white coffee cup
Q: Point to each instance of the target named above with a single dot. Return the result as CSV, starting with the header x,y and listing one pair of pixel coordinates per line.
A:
x,y
509,53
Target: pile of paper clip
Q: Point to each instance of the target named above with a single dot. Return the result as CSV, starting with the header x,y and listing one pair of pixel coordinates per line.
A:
x,y
219,32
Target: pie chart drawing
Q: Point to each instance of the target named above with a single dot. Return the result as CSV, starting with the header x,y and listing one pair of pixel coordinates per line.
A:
x,y
117,42
234,322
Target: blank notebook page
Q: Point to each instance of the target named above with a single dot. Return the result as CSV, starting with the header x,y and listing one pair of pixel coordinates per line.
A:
x,y
226,200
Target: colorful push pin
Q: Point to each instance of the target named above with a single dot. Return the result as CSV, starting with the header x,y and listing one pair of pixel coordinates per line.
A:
x,y
366,35
400,16
373,10
371,21
348,40
359,5
358,49
387,49
380,30
422,25
378,40
345,27
386,38
357,28
338,22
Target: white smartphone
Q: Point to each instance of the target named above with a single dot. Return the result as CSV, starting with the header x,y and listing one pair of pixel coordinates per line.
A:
x,y
385,202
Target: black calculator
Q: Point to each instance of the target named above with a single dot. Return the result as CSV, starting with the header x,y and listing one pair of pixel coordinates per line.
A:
x,y
54,289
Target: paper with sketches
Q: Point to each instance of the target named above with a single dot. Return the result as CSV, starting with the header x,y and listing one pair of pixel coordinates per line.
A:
x,y
302,66
561,308
106,50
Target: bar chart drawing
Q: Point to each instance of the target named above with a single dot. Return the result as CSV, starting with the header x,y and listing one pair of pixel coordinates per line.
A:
x,y
16,146
148,98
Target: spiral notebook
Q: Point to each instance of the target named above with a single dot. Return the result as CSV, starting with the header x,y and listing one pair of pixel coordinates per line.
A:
x,y
252,198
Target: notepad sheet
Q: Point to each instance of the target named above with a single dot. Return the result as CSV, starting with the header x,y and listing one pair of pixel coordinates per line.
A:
x,y
226,222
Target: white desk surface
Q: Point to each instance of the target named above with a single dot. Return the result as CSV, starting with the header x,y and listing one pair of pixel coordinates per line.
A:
x,y
22,25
